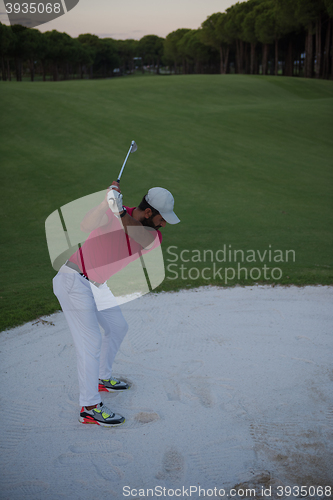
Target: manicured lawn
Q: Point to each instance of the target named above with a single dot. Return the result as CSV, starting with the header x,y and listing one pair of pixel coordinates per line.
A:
x,y
248,160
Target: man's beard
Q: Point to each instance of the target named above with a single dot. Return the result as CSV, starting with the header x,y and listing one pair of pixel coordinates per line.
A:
x,y
149,222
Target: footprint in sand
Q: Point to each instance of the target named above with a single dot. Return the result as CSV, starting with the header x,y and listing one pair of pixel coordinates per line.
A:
x,y
27,489
200,387
84,456
173,465
146,417
13,430
139,419
172,390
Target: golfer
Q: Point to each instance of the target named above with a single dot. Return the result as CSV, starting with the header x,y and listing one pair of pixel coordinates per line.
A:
x,y
118,236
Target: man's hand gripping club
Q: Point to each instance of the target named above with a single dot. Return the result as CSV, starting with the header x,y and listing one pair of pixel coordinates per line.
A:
x,y
115,199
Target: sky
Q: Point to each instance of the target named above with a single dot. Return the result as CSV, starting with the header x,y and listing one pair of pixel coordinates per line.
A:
x,y
122,19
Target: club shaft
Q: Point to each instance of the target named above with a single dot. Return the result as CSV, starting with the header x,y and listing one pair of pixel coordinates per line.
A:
x,y
122,168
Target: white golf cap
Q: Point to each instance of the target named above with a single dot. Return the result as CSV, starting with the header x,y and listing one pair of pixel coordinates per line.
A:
x,y
162,200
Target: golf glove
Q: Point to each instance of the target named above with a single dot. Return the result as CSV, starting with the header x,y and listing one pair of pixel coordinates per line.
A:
x,y
115,201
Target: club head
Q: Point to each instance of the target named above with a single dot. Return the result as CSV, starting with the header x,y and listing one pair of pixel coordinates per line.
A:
x,y
134,147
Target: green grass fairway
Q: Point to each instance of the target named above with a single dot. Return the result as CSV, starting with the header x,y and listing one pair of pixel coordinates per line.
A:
x,y
248,159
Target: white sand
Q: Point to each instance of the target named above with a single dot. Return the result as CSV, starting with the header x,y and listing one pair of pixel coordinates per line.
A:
x,y
230,386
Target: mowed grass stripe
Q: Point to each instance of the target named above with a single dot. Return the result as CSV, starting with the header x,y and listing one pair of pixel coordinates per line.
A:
x,y
248,159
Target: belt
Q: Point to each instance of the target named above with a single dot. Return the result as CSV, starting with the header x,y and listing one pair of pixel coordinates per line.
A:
x,y
78,270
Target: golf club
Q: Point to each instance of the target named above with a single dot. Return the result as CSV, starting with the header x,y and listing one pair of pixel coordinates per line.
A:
x,y
132,149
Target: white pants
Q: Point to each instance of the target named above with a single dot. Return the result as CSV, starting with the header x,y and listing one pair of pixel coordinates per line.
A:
x,y
84,306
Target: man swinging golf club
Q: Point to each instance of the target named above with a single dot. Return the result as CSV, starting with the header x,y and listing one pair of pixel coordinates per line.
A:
x,y
118,236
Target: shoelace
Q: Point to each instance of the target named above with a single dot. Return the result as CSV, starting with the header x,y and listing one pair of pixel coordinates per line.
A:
x,y
105,409
112,379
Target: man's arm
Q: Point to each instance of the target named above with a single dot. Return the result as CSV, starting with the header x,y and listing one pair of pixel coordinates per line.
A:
x,y
96,217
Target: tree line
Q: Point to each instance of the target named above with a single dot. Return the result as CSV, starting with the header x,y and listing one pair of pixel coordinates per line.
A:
x,y
279,37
